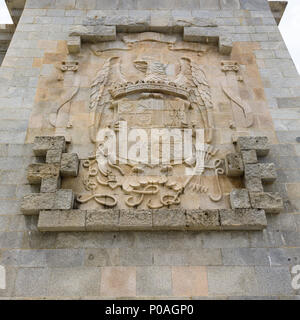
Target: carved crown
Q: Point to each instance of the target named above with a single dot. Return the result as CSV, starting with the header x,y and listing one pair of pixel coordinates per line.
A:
x,y
140,86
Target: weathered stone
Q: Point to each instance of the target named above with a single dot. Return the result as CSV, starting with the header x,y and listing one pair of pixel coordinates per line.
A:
x,y
252,177
202,220
53,156
38,171
267,172
225,45
239,199
253,184
172,219
74,44
234,165
35,202
62,220
243,219
135,220
60,200
249,156
259,144
270,202
201,34
252,170
94,34
50,184
44,143
102,220
69,165
64,199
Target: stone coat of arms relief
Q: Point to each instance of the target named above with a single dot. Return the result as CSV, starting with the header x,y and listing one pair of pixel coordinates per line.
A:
x,y
163,90
156,122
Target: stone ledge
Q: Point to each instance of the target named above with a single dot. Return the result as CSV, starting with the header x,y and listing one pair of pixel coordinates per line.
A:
x,y
94,34
151,220
243,219
201,31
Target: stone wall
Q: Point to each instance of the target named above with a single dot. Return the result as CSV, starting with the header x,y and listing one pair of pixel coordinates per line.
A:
x,y
223,265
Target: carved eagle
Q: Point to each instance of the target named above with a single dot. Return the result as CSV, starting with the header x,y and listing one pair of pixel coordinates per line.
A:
x,y
192,75
108,74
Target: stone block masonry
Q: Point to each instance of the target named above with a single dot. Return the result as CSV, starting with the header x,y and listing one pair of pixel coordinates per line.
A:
x,y
210,264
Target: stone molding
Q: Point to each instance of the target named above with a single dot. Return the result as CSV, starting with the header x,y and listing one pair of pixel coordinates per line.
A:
x,y
193,30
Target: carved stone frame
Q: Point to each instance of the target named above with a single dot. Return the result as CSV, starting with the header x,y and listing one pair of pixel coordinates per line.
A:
x,y
55,206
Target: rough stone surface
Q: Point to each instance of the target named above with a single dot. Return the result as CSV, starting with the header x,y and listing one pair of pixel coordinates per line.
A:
x,y
249,156
33,203
243,219
53,156
135,219
239,199
259,144
202,220
267,172
69,165
43,144
168,219
38,171
270,202
102,220
50,184
234,165
253,178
